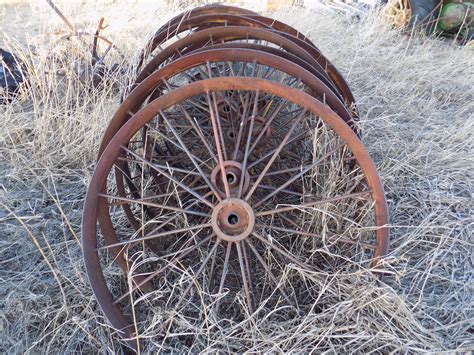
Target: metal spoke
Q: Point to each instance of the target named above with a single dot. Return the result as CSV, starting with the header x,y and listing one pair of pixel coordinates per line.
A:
x,y
244,116
225,268
313,203
163,268
283,125
176,145
218,147
165,223
200,270
268,271
297,176
267,124
249,138
275,154
243,273
191,157
289,170
247,267
309,234
166,167
219,126
157,205
168,194
153,236
289,192
282,251
197,129
291,141
243,119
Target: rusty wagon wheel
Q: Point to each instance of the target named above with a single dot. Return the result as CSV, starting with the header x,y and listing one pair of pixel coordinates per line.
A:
x,y
243,217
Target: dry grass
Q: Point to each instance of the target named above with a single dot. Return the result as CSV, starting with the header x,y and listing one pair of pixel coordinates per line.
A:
x,y
416,103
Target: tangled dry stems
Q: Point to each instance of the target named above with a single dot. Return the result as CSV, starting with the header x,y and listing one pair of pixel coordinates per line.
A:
x,y
416,109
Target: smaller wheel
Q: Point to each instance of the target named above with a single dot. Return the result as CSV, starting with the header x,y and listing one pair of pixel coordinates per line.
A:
x,y
408,14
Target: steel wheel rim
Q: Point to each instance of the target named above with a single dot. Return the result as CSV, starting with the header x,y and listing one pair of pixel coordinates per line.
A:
x,y
199,11
174,28
231,33
128,130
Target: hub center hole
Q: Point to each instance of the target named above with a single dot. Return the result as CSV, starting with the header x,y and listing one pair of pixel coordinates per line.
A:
x,y
226,109
231,178
233,219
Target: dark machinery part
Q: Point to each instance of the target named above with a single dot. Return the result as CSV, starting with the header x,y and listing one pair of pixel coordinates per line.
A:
x,y
451,18
11,76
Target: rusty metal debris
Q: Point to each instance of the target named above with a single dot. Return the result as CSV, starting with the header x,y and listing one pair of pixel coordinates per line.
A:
x,y
233,159
92,67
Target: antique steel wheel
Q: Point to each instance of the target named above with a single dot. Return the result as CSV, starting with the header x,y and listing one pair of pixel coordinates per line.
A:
x,y
236,217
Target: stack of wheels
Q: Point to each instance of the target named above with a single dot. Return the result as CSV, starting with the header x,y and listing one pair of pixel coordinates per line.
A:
x,y
232,169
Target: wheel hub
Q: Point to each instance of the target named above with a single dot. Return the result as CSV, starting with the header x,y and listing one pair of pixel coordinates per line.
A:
x,y
233,174
233,220
226,108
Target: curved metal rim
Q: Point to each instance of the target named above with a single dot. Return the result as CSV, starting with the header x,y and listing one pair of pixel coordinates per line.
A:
x,y
272,50
198,11
333,73
196,22
337,82
172,29
209,9
93,203
198,39
323,64
352,115
281,26
223,10
203,20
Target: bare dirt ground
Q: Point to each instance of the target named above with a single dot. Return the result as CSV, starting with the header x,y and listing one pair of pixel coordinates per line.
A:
x,y
417,111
